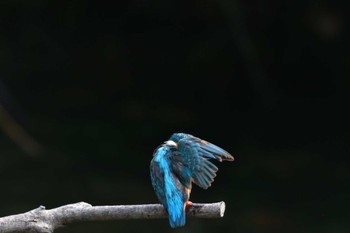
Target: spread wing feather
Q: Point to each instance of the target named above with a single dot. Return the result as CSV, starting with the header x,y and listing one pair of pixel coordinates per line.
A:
x,y
191,162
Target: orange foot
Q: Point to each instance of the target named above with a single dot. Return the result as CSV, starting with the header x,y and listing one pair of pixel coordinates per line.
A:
x,y
188,203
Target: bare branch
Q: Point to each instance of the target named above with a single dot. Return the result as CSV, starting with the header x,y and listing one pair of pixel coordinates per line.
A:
x,y
46,221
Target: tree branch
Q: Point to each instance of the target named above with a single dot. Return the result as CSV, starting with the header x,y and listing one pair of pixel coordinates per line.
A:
x,y
46,221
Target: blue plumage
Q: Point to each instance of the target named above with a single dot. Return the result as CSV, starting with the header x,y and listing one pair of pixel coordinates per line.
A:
x,y
177,163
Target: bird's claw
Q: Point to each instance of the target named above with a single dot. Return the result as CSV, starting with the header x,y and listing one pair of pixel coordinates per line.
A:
x,y
188,203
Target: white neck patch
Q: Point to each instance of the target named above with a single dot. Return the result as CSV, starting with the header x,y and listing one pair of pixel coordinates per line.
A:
x,y
170,143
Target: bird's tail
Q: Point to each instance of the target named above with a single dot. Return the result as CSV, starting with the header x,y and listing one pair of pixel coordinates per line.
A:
x,y
177,220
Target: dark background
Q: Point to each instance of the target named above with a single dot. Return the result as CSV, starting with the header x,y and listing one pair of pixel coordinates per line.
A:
x,y
88,90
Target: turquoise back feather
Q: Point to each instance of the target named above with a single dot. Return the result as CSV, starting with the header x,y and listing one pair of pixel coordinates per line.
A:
x,y
170,191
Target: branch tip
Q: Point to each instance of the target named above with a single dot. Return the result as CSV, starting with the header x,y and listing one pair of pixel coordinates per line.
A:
x,y
222,208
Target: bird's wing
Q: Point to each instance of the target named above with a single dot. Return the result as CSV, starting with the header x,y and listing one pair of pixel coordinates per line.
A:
x,y
180,169
176,137
194,154
206,149
211,151
157,178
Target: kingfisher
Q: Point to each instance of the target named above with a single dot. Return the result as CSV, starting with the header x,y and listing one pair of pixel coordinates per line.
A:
x,y
177,163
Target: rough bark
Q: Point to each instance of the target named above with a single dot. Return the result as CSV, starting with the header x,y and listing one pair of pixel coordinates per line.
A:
x,y
46,221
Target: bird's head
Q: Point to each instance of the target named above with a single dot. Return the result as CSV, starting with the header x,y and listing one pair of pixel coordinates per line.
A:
x,y
166,146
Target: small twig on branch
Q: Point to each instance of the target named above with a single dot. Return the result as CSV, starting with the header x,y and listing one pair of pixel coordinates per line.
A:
x,y
46,221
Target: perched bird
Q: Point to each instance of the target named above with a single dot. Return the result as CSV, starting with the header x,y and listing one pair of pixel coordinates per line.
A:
x,y
177,163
